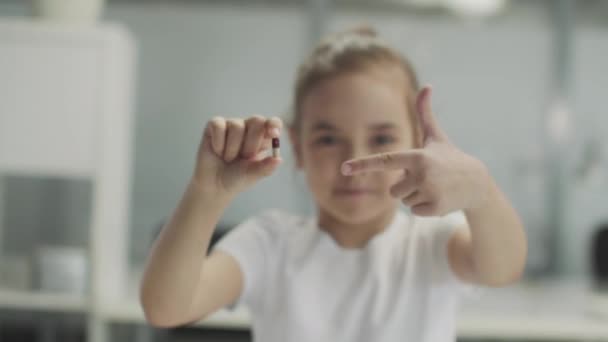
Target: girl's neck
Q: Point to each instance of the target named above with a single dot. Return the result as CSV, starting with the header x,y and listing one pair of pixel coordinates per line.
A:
x,y
354,235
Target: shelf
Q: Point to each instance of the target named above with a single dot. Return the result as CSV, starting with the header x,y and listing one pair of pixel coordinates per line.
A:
x,y
40,301
528,312
556,311
523,326
471,323
37,171
518,313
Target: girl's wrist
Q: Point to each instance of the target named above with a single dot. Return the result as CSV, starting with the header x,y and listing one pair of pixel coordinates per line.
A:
x,y
208,193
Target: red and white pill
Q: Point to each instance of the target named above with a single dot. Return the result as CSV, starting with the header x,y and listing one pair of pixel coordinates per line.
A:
x,y
276,144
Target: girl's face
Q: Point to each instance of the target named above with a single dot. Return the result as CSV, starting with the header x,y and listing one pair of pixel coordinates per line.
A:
x,y
350,116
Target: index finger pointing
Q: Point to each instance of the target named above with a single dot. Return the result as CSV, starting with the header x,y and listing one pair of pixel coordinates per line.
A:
x,y
379,162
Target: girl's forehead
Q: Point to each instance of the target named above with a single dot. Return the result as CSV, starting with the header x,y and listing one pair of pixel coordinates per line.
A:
x,y
363,98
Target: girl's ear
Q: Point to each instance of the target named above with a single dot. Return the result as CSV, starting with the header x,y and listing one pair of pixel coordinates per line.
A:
x,y
294,138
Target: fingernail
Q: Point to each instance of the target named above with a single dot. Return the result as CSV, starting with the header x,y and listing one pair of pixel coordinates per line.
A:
x,y
275,132
346,169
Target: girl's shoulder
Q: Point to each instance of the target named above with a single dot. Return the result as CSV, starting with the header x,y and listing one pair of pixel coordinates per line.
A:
x,y
265,232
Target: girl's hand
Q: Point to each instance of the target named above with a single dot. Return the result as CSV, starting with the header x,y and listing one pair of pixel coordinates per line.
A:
x,y
438,178
230,157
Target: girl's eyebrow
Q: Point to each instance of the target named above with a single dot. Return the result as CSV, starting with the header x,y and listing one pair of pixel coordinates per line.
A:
x,y
382,126
326,126
323,126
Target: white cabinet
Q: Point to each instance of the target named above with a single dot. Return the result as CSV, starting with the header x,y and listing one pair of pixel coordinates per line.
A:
x,y
66,110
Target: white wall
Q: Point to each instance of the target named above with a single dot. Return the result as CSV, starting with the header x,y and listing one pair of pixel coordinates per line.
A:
x,y
491,88
588,200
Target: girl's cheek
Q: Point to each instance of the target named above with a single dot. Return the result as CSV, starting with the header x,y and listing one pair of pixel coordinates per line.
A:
x,y
319,164
322,157
325,168
391,178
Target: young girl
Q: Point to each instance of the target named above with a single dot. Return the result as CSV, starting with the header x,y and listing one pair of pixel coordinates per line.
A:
x,y
361,269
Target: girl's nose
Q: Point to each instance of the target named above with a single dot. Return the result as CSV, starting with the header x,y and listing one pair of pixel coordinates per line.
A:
x,y
355,150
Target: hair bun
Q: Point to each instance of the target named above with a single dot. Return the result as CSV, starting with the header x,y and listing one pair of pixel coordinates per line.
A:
x,y
361,30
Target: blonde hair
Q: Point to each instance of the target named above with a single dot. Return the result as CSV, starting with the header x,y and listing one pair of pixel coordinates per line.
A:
x,y
350,51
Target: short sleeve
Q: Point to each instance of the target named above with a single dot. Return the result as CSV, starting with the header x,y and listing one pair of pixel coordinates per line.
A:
x,y
252,244
442,232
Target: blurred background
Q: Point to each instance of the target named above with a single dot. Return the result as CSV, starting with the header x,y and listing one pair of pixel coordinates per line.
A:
x,y
102,106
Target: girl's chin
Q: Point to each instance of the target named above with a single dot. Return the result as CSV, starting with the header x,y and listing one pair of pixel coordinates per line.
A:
x,y
357,214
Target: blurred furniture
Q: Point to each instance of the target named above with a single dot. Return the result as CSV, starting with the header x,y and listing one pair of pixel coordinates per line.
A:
x,y
599,256
66,111
552,310
69,11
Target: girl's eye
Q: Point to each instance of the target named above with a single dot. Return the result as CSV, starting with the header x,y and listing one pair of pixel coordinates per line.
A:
x,y
380,140
326,140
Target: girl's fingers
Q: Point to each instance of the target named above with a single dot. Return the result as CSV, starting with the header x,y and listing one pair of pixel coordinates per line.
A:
x,y
264,149
405,187
255,128
414,199
274,126
235,134
264,146
256,169
216,131
259,134
384,161
234,138
425,209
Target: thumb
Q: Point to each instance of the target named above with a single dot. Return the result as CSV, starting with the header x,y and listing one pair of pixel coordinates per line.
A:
x,y
256,169
430,126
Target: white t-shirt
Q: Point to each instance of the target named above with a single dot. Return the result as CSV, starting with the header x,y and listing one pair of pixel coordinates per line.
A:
x,y
299,285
